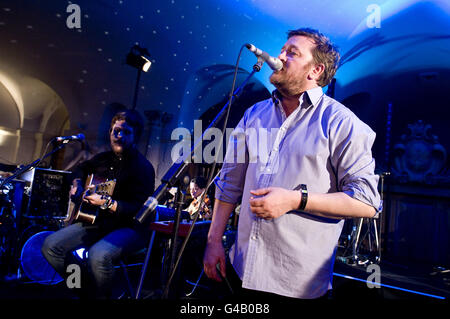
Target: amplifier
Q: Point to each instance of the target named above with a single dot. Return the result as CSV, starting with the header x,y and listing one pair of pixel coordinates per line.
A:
x,y
48,193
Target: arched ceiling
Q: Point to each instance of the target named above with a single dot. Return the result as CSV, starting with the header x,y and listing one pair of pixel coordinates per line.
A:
x,y
86,66
10,111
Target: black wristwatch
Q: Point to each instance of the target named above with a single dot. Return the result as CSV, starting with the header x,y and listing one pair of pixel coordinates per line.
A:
x,y
304,200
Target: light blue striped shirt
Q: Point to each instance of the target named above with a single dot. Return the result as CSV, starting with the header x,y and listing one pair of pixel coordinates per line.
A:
x,y
321,144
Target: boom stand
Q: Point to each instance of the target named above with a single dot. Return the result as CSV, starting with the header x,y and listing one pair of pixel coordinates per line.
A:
x,y
173,175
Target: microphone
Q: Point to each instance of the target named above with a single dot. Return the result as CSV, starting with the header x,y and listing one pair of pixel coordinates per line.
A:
x,y
274,63
79,137
148,207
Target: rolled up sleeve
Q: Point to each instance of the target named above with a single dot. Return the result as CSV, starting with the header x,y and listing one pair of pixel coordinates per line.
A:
x,y
352,160
231,180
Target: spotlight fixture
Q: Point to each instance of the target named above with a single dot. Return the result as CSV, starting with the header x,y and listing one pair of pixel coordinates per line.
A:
x,y
137,58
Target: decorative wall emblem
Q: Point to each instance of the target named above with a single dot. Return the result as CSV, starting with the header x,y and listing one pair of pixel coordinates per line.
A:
x,y
419,157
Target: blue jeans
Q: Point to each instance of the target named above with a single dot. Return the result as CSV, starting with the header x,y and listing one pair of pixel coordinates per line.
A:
x,y
104,249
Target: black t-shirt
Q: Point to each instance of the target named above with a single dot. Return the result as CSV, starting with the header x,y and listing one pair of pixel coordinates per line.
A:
x,y
135,182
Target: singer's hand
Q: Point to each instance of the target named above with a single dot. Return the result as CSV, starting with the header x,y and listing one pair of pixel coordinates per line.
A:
x,y
214,254
273,202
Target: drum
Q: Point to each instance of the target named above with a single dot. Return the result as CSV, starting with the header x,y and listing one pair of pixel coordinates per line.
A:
x,y
33,263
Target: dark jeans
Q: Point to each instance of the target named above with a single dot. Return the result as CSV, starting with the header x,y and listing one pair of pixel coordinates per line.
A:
x,y
239,293
104,249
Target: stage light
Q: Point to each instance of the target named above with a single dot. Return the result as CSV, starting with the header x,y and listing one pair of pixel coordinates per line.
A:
x,y
136,58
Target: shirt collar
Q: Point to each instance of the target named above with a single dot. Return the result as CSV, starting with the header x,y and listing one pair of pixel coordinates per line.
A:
x,y
312,97
315,94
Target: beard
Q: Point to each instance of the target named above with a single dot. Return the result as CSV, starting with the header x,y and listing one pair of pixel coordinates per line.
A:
x,y
117,148
120,148
289,83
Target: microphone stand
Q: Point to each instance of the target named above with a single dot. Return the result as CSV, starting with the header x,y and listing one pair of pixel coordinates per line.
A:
x,y
179,200
171,177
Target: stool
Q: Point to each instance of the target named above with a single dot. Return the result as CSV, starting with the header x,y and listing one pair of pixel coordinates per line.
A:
x,y
124,264
81,254
146,261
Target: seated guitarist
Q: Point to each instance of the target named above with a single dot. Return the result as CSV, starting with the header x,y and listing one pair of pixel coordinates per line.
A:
x,y
197,188
112,235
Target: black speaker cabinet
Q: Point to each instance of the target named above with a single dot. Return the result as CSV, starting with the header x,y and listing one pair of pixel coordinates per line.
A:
x,y
48,193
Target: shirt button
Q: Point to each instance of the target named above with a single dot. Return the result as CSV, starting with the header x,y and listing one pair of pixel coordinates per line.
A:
x,y
254,237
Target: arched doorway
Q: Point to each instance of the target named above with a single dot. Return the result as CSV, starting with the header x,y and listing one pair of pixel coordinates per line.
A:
x,y
32,114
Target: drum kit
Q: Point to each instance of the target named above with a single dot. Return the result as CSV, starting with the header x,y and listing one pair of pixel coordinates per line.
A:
x,y
32,207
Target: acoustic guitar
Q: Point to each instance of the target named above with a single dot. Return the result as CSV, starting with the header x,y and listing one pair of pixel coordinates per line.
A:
x,y
79,210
